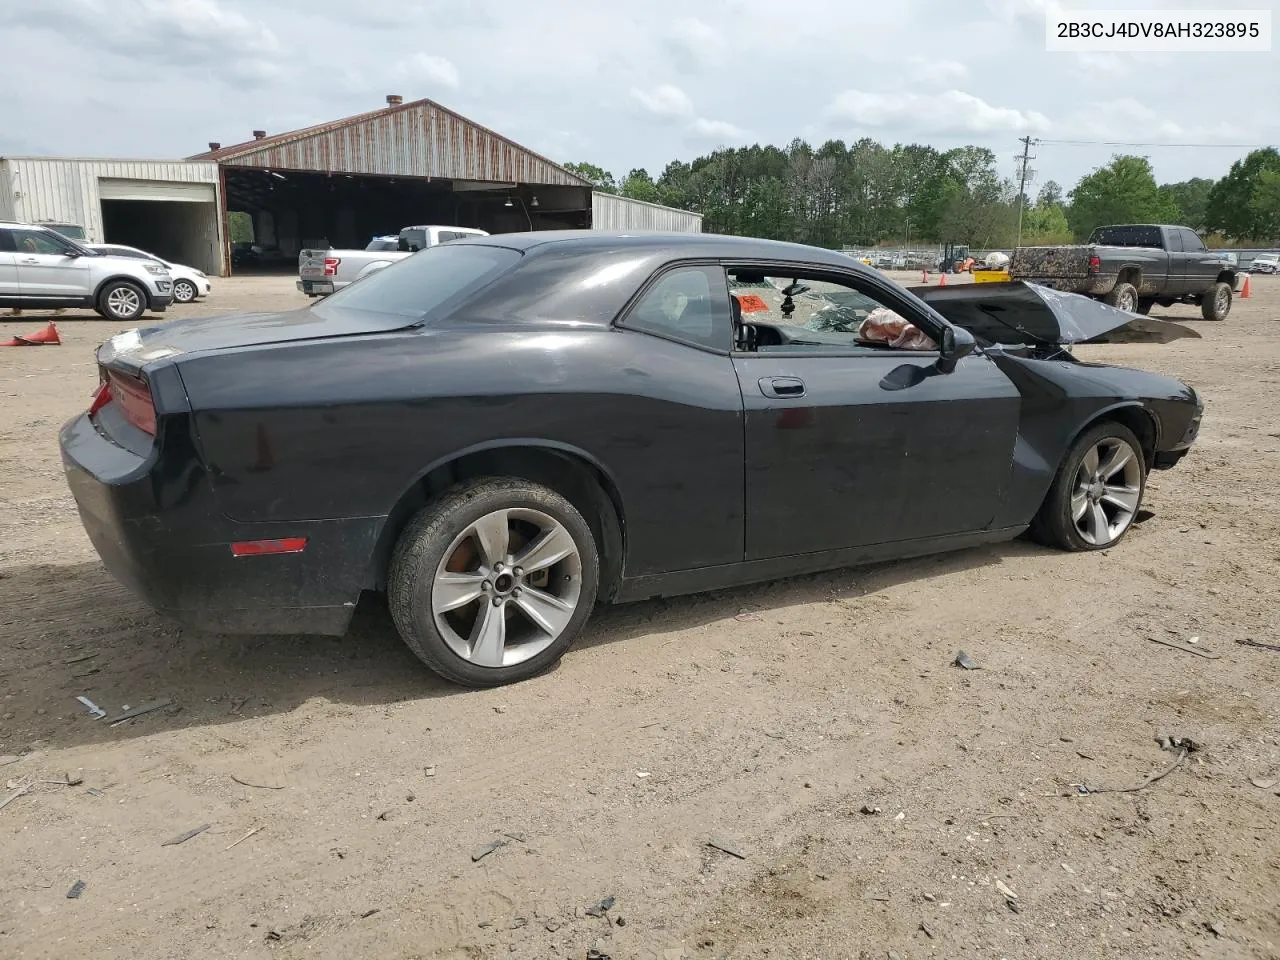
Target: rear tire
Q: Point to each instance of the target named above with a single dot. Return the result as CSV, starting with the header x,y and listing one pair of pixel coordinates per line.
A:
x,y
1123,296
1096,493
461,596
122,300
1216,304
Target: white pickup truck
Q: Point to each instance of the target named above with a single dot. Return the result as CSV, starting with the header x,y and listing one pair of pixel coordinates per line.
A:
x,y
321,272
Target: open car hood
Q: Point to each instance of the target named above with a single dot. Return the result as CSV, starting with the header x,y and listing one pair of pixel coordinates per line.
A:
x,y
1017,312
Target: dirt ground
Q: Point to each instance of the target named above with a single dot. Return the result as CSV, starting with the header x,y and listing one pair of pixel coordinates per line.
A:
x,y
769,717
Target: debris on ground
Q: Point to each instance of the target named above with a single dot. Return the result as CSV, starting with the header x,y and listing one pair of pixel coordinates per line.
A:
x,y
479,853
642,774
429,771
594,954
21,791
1183,752
745,616
552,926
726,846
869,810
369,913
80,659
274,935
1264,783
184,837
1005,891
244,838
1216,929
601,908
77,888
66,781
1198,651
94,792
95,711
257,786
965,662
1274,648
139,711
926,931
1174,744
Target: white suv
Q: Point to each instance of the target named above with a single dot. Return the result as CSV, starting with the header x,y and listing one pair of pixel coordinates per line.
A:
x,y
42,269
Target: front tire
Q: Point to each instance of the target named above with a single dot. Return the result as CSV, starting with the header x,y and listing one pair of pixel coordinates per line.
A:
x,y
492,582
1216,304
121,300
1096,493
184,291
1123,296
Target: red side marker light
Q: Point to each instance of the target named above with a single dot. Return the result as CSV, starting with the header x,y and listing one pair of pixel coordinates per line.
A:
x,y
262,548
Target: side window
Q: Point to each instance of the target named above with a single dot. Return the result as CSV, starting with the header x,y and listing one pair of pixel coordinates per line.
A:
x,y
799,312
1175,241
688,304
6,241
1191,243
38,241
447,235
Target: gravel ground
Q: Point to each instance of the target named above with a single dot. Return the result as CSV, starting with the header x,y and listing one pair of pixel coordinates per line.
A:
x,y
770,717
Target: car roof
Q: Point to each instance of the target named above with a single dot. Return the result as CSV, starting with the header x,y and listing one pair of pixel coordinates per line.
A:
x,y
712,246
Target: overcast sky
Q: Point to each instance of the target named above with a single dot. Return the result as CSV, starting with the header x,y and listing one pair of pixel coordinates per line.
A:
x,y
621,85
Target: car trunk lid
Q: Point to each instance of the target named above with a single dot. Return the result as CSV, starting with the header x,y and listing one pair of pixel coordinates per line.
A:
x,y
133,349
1018,311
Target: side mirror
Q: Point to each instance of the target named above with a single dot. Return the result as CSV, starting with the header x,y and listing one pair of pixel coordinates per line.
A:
x,y
957,343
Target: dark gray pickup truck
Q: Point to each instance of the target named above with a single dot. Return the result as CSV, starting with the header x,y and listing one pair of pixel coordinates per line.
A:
x,y
1133,267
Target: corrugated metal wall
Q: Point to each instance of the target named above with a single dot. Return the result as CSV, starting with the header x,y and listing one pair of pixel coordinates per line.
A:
x,y
612,212
67,190
418,140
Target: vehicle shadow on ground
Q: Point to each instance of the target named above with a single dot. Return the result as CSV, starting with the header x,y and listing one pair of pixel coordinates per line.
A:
x,y
71,631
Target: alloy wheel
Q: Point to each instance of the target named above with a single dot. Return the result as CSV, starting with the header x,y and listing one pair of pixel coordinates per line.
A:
x,y
1107,491
183,291
507,587
123,302
1222,300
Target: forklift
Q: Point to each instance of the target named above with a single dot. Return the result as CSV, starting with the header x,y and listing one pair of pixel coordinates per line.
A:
x,y
955,259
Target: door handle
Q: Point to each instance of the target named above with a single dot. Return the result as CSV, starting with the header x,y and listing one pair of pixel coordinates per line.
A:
x,y
782,388
30,260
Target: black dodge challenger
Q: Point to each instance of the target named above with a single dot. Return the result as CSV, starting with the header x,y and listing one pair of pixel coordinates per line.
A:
x,y
501,432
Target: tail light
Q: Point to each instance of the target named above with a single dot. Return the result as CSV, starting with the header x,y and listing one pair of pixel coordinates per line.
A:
x,y
1095,264
331,266
134,397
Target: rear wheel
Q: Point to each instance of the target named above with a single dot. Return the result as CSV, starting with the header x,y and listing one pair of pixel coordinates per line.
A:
x,y
492,582
122,300
1096,492
1216,304
1123,296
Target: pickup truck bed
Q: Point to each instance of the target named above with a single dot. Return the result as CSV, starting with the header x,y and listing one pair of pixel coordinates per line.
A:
x,y
1134,267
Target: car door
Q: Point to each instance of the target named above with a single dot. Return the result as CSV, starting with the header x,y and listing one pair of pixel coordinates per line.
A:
x,y
9,289
49,267
1201,266
850,445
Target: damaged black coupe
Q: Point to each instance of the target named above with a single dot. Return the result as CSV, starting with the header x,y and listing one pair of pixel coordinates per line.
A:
x,y
501,432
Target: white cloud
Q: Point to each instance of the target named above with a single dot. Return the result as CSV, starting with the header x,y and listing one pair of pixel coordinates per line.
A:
x,y
935,72
952,111
717,130
429,68
1141,124
665,100
1029,13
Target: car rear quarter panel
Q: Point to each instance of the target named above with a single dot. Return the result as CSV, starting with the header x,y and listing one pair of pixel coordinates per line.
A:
x,y
344,428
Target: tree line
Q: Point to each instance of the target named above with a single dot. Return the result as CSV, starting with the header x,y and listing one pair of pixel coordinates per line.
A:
x,y
866,194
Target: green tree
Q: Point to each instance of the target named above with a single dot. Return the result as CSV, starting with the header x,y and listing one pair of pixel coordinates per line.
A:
x,y
1265,206
1045,224
1050,195
640,186
600,178
1190,198
1124,191
239,227
1230,209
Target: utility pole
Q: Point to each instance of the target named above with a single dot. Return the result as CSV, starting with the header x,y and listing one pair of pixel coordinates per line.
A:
x,y
1022,179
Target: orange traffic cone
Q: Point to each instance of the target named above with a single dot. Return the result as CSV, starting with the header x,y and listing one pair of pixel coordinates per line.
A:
x,y
49,335
942,279
1245,293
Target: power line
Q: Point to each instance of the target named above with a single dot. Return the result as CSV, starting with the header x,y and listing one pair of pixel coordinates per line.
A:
x,y
1129,143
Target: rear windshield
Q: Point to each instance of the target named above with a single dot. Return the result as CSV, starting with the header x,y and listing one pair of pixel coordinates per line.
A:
x,y
1128,236
421,284
383,244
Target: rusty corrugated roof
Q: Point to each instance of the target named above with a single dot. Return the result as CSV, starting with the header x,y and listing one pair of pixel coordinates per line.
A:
x,y
419,139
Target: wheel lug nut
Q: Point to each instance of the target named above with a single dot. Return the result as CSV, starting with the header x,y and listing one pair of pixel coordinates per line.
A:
x,y
497,567
497,601
518,571
486,586
515,592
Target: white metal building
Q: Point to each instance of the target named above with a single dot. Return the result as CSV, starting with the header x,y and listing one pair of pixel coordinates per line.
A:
x,y
170,208
612,212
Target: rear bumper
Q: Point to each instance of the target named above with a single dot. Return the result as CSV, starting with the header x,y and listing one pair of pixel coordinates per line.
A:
x,y
316,288
172,547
